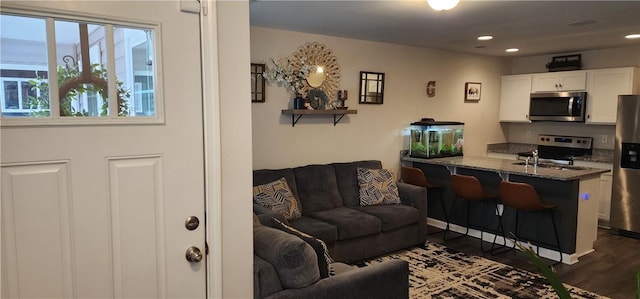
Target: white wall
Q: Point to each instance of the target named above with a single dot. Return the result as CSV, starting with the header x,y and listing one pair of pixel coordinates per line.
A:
x,y
376,132
235,149
596,59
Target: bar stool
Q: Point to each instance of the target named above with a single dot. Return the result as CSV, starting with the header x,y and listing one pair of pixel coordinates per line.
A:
x,y
523,197
469,189
415,176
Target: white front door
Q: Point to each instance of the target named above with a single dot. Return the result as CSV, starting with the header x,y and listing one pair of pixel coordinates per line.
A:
x,y
99,211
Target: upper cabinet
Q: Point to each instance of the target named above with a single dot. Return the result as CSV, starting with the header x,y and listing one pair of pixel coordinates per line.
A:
x,y
603,88
514,98
559,81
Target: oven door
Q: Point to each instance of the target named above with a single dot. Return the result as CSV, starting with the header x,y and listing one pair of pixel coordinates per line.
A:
x,y
557,106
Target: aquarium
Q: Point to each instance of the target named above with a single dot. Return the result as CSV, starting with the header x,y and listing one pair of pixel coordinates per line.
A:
x,y
436,139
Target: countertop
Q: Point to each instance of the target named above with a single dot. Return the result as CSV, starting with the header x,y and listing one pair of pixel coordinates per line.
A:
x,y
598,156
504,166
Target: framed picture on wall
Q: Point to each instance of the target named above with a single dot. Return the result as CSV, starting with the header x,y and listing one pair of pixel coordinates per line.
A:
x,y
257,83
472,91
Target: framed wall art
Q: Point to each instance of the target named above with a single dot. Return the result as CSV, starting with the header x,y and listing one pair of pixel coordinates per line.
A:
x,y
257,83
371,88
472,91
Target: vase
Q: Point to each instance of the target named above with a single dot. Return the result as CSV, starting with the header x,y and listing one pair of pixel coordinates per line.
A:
x,y
298,102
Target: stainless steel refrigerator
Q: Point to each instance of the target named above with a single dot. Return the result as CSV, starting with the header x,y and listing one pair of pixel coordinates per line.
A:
x,y
625,197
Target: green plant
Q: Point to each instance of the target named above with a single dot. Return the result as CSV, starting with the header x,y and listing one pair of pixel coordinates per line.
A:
x,y
547,272
41,105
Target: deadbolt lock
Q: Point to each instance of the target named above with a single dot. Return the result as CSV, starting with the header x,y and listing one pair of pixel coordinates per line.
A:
x,y
192,222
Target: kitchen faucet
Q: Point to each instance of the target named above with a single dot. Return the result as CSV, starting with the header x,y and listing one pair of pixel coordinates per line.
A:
x,y
535,158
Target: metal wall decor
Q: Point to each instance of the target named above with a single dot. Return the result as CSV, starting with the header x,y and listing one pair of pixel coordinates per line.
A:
x,y
323,64
371,88
257,83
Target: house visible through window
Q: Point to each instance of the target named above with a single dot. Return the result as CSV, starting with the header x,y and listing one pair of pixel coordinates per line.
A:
x,y
100,70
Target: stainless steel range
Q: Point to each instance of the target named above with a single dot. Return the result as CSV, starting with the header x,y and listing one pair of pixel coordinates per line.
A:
x,y
560,149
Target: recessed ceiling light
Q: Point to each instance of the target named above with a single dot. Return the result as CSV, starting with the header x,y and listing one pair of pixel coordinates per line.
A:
x,y
511,50
485,37
632,36
442,5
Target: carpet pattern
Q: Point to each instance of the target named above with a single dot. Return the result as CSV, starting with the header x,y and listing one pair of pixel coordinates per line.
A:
x,y
439,272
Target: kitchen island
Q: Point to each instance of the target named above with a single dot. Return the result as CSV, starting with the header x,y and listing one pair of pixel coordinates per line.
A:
x,y
575,190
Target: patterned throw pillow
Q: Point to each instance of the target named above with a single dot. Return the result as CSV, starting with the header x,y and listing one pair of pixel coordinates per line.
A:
x,y
277,197
377,187
324,260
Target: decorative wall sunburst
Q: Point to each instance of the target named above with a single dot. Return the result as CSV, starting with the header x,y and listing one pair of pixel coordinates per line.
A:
x,y
316,54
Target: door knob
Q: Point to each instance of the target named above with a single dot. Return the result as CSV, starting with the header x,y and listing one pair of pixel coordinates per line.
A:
x,y
193,255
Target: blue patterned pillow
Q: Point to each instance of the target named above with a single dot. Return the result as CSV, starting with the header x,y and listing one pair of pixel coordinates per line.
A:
x,y
377,187
277,197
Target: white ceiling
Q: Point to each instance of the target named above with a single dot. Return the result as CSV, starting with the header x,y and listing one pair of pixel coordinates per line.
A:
x,y
535,27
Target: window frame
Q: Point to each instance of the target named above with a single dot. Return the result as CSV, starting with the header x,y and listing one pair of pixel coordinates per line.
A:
x,y
109,23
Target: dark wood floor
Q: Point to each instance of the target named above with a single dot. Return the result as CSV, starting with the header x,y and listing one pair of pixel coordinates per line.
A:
x,y
609,271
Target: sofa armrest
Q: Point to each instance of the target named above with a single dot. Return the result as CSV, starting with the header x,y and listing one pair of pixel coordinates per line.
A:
x,y
415,196
389,279
412,195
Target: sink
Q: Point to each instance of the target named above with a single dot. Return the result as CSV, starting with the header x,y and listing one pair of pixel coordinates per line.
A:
x,y
552,166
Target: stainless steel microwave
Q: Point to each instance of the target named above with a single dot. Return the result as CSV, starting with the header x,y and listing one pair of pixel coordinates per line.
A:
x,y
558,106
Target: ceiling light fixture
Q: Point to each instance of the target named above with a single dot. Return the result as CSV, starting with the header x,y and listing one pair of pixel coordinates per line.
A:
x,y
442,5
632,36
511,50
485,37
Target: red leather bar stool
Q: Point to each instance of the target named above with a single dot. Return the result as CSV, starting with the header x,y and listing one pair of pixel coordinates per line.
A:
x,y
523,197
415,176
469,189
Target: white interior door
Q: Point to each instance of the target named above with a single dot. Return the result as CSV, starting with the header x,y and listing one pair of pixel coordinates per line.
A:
x,y
98,211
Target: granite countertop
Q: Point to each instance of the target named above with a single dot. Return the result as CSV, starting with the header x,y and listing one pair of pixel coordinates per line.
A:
x,y
504,166
598,155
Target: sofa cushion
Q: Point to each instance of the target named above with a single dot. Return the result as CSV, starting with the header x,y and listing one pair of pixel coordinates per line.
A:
x,y
322,253
318,188
392,216
293,259
377,186
350,223
347,177
277,197
263,176
324,231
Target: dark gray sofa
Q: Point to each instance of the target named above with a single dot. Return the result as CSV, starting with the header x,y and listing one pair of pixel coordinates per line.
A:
x,y
328,196
285,266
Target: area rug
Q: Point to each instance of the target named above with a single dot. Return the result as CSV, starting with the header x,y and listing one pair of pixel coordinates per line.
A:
x,y
439,272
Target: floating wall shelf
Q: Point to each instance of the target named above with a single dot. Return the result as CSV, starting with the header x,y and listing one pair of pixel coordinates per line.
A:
x,y
296,114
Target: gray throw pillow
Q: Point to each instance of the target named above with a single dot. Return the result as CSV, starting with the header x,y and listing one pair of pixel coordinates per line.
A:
x,y
294,259
325,262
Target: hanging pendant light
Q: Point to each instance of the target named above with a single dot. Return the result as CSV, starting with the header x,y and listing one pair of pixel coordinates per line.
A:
x,y
442,5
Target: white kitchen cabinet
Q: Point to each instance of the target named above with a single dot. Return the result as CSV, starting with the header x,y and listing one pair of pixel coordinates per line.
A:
x,y
559,81
515,92
603,88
